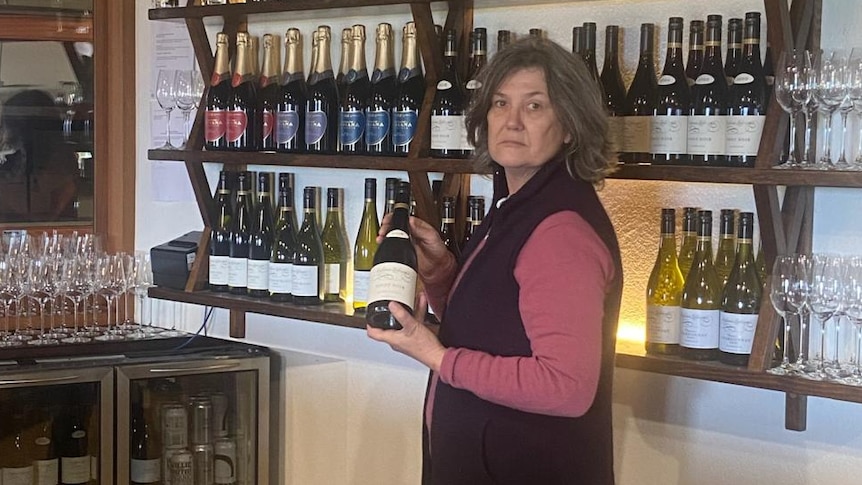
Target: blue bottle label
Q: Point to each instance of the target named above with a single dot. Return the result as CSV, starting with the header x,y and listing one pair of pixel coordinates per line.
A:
x,y
377,127
351,126
315,126
286,126
404,126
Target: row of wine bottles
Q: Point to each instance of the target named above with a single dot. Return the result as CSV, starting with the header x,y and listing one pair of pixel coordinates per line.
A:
x,y
700,307
252,252
283,111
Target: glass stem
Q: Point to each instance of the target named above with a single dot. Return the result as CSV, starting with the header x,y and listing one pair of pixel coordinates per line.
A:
x,y
843,158
791,153
827,142
807,156
168,127
822,365
185,127
785,351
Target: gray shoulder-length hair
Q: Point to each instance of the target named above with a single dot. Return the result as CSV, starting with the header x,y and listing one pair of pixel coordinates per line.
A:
x,y
577,103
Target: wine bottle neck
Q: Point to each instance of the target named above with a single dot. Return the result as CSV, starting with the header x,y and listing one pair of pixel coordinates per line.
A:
x,y
293,53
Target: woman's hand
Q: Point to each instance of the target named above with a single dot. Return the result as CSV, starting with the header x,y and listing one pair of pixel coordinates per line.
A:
x,y
414,339
431,253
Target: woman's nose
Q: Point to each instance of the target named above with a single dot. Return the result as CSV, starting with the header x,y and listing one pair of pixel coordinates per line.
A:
x,y
513,119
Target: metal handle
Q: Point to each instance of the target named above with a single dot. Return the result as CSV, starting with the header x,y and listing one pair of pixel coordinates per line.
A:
x,y
227,365
38,381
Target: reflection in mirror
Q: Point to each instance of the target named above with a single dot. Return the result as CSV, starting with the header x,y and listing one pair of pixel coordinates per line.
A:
x,y
46,113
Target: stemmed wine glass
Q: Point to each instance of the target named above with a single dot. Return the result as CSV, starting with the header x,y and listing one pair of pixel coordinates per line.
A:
x,y
854,95
109,278
853,312
824,301
188,87
143,281
830,89
803,97
41,287
798,294
789,79
7,295
782,276
166,96
73,284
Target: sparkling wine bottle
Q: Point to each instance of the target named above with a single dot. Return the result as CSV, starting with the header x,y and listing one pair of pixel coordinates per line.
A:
x,y
270,91
243,115
411,93
354,97
321,106
384,89
215,116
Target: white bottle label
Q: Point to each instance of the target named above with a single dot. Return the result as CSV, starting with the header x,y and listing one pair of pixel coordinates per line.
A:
x,y
47,472
666,80
743,78
669,134
704,79
305,281
638,133
280,278
616,131
145,471
218,270
706,135
237,272
743,134
18,476
360,285
75,469
699,328
662,324
258,274
331,278
393,281
737,332
447,132
443,85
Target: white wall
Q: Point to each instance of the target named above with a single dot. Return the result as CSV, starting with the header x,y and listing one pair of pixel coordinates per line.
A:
x,y
352,407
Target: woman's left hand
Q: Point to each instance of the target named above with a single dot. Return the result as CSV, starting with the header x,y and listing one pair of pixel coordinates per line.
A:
x,y
414,339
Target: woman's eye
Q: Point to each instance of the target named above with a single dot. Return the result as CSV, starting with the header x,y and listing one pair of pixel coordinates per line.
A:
x,y
499,103
534,106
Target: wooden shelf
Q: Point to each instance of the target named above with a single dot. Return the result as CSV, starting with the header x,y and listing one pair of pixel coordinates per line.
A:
x,y
201,11
747,176
319,161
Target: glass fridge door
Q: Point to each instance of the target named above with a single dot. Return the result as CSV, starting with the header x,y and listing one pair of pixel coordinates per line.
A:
x,y
200,420
56,426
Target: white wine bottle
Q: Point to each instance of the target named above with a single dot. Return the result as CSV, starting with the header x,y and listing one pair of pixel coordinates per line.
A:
x,y
284,246
740,302
726,251
701,298
664,293
307,283
260,239
366,246
239,236
393,276
689,240
335,255
220,237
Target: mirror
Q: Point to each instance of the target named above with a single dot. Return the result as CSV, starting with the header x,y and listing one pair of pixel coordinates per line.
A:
x,y
46,113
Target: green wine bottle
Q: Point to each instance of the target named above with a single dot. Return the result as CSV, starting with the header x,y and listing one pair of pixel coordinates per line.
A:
x,y
689,240
389,192
239,236
220,237
701,298
335,255
726,252
307,277
284,246
760,263
664,293
366,246
260,239
740,302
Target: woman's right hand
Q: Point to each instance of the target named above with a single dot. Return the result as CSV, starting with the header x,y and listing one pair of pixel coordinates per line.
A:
x,y
431,254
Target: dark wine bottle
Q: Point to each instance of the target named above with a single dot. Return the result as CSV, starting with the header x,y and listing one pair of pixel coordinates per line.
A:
x,y
589,49
46,462
243,115
411,93
389,189
708,121
220,237
321,106
478,59
290,108
307,284
215,116
16,462
354,97
393,276
664,293
734,49
270,91
746,100
578,41
448,131
641,102
537,33
612,86
694,63
260,239
344,64
673,103
384,89
145,467
768,75
740,302
74,447
239,236
284,246
447,226
701,299
504,38
475,215
315,44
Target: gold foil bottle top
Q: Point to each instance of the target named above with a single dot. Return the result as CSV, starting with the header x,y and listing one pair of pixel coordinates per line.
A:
x,y
323,33
293,52
358,32
268,41
221,38
384,31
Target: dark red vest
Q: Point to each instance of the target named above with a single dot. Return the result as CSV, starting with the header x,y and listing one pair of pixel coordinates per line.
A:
x,y
475,442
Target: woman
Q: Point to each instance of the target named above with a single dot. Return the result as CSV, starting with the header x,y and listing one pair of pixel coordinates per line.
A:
x,y
520,390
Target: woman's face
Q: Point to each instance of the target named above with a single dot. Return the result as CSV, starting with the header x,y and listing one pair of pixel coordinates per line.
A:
x,y
523,130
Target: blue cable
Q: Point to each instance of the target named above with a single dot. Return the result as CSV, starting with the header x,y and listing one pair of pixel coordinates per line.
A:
x,y
208,312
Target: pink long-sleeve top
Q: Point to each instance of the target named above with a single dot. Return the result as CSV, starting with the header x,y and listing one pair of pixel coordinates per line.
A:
x,y
563,271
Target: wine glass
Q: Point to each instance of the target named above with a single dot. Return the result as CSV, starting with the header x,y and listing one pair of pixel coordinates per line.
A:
x,y
73,285
185,95
802,96
166,96
780,281
110,276
824,299
789,79
41,291
70,96
830,89
7,296
143,280
853,311
798,293
854,94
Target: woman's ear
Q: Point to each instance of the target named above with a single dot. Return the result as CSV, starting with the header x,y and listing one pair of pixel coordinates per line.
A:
x,y
567,139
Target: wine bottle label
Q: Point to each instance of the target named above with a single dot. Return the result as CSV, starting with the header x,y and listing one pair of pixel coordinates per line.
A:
x,y
215,125
331,277
280,278
666,80
75,469
258,274
699,328
737,332
145,471
393,281
443,85
286,126
305,281
237,275
706,134
473,85
743,78
742,136
351,126
268,124
446,132
237,122
17,476
315,126
94,469
377,127
669,134
47,472
662,324
404,127
360,285
704,79
219,270
616,133
638,132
